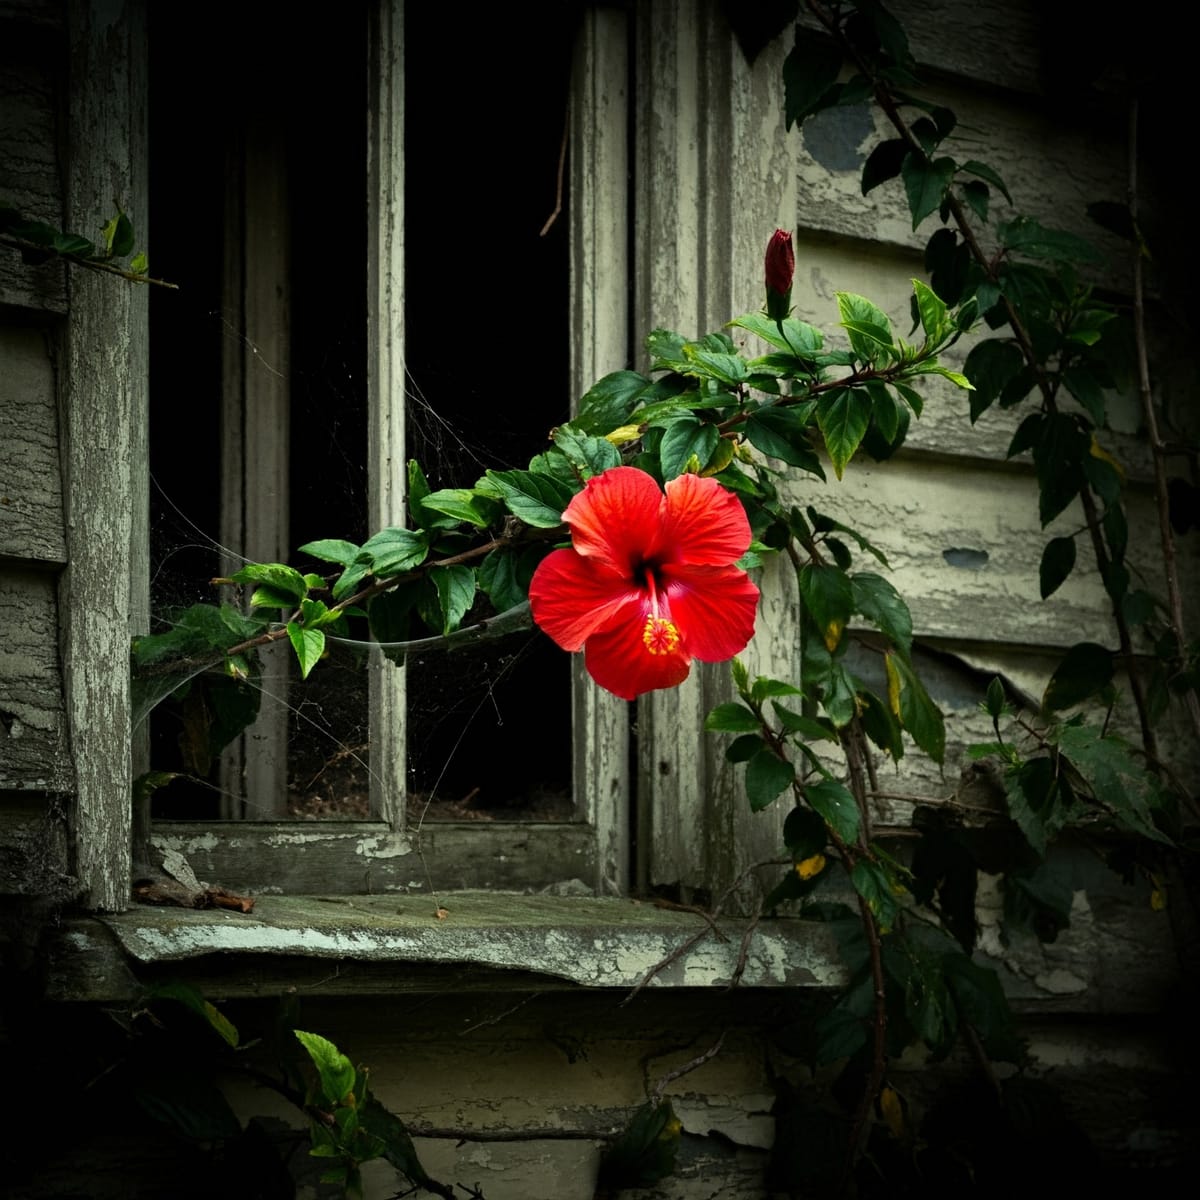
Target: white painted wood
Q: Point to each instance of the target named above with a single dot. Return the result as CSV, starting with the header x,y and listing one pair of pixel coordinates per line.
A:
x,y
104,393
387,484
30,72
716,176
34,752
31,502
600,271
256,402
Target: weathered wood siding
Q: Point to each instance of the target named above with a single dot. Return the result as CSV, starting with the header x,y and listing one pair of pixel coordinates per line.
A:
x,y
957,520
36,771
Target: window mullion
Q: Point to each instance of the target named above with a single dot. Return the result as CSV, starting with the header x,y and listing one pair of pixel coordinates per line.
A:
x,y
385,376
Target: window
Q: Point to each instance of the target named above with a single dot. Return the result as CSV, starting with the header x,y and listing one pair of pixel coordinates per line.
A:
x,y
347,254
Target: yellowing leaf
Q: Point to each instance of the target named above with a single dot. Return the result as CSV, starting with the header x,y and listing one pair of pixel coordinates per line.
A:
x,y
1098,451
833,634
893,684
892,1109
626,433
811,867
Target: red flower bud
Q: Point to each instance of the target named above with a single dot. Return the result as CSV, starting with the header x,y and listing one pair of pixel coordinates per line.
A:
x,y
780,266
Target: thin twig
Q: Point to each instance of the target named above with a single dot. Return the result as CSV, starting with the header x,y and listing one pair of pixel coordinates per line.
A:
x,y
699,1061
562,165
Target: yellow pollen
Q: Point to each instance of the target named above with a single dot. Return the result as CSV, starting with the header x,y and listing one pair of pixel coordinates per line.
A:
x,y
660,637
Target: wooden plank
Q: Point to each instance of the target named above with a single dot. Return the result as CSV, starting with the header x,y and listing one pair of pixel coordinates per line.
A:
x,y
387,483
600,271
29,166
104,392
34,750
256,401
364,857
31,504
964,550
704,115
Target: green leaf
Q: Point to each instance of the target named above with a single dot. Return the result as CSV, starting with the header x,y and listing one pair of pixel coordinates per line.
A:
x,y
867,326
912,704
352,577
72,244
309,645
978,197
925,184
456,593
1058,560
331,550
880,724
393,551
804,833
732,717
981,1002
795,338
1085,387
1058,457
122,237
809,73
933,311
983,171
139,264
823,524
1084,670
336,1071
645,1151
767,776
1039,801
608,403
589,454
872,883
192,999
1024,235
462,504
884,607
836,806
883,163
1038,898
808,728
538,500
504,575
685,439
269,597
276,576
784,433
828,596
990,366
843,415
1116,777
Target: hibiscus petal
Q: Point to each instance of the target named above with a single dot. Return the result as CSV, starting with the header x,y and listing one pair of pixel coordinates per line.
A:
x,y
573,597
714,608
619,661
704,524
616,518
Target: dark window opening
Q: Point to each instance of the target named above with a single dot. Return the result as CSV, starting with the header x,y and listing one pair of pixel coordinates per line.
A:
x,y
489,732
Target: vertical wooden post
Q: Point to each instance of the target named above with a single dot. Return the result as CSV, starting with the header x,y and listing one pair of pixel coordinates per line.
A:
x,y
716,174
104,404
600,272
385,378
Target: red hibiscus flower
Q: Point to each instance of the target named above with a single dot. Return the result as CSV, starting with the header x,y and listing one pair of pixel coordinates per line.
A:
x,y
649,582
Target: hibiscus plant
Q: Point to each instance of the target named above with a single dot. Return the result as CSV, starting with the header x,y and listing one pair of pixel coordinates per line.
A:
x,y
635,536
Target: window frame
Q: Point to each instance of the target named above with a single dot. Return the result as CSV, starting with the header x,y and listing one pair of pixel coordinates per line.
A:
x,y
384,854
